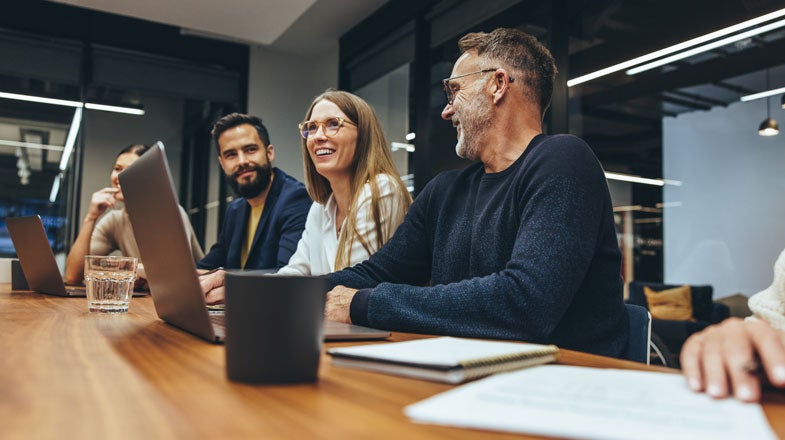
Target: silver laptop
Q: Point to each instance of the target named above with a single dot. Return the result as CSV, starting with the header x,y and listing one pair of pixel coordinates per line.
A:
x,y
171,273
36,257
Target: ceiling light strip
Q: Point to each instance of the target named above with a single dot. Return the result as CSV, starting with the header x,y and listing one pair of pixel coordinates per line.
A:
x,y
114,108
634,179
71,139
74,104
15,144
765,94
41,99
707,47
676,47
55,189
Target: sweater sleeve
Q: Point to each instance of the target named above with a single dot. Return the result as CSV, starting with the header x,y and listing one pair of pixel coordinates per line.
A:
x,y
553,249
769,304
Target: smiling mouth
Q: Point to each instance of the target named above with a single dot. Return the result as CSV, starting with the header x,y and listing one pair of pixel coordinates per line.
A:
x,y
321,152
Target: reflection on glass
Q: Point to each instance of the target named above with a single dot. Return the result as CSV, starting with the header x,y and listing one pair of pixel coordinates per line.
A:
x,y
389,96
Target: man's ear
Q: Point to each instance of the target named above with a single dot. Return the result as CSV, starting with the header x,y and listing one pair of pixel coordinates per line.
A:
x,y
270,153
501,82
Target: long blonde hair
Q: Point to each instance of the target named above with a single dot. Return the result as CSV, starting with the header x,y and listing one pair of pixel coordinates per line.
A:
x,y
372,157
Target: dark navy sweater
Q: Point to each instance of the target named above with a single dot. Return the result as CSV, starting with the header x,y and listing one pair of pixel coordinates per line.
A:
x,y
529,253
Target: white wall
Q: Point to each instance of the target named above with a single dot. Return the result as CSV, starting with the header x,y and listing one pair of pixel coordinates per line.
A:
x,y
107,133
728,227
280,89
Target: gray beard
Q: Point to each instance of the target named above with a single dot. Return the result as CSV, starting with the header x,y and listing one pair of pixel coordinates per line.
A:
x,y
477,120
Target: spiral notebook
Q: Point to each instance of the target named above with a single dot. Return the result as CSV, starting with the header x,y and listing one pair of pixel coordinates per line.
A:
x,y
445,359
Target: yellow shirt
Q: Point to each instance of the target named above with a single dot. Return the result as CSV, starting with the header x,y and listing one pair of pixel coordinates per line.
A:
x,y
250,231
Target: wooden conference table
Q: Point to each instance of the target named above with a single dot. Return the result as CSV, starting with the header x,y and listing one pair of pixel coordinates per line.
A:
x,y
67,373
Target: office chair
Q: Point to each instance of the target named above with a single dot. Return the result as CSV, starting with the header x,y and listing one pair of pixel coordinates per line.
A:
x,y
640,334
672,334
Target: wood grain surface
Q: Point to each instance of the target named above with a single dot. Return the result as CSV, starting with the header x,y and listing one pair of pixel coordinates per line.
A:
x,y
68,373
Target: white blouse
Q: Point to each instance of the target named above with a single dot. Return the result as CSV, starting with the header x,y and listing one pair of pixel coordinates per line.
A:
x,y
318,247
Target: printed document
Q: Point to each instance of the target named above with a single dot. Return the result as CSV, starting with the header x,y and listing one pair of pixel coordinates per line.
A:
x,y
592,403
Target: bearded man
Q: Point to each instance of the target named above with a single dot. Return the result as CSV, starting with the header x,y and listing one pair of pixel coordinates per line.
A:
x,y
262,226
521,245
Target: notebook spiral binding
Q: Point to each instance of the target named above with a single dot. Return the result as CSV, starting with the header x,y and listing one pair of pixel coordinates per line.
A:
x,y
482,367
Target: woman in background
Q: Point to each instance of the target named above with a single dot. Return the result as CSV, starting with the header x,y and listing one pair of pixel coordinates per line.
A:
x,y
359,198
113,231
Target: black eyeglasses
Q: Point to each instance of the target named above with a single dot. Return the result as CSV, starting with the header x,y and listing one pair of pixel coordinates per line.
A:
x,y
448,92
330,126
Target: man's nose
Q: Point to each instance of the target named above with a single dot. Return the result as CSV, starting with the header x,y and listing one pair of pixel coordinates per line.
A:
x,y
447,112
242,158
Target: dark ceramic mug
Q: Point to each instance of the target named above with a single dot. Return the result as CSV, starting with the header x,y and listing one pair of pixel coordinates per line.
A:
x,y
273,327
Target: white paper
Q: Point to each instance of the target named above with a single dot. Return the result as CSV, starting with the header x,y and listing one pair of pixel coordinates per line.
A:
x,y
445,351
589,403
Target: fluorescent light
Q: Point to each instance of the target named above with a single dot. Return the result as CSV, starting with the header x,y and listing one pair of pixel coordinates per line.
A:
x,y
755,96
40,99
634,179
114,108
30,145
69,103
675,48
706,47
55,189
71,139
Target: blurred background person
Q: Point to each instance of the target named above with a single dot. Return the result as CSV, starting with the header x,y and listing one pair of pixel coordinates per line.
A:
x,y
112,232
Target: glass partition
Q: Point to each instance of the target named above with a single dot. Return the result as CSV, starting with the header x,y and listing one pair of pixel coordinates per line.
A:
x,y
389,96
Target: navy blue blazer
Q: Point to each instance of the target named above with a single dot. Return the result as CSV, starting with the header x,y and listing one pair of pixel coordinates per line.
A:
x,y
279,229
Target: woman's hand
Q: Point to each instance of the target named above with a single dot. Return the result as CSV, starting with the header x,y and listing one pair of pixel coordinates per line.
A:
x,y
724,358
101,201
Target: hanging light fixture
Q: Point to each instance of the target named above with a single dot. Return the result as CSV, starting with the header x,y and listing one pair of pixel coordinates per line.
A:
x,y
769,126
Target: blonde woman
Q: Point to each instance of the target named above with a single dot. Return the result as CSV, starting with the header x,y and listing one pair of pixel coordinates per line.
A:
x,y
359,199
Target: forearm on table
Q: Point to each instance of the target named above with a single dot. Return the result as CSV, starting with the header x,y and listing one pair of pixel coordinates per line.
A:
x,y
74,263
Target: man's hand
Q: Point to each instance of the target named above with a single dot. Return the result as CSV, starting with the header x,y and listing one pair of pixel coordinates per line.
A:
x,y
213,286
729,354
336,307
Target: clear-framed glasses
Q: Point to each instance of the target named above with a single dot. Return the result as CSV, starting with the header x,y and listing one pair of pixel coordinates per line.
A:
x,y
450,94
329,126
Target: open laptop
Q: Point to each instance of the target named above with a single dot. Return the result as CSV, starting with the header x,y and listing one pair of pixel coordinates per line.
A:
x,y
36,257
171,273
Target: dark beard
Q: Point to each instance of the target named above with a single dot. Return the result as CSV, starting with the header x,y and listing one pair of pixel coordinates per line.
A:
x,y
255,186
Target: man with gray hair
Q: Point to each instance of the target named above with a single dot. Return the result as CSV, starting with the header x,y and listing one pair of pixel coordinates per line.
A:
x,y
521,245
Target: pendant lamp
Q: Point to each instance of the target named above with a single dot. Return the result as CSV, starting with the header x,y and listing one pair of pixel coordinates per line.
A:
x,y
769,126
